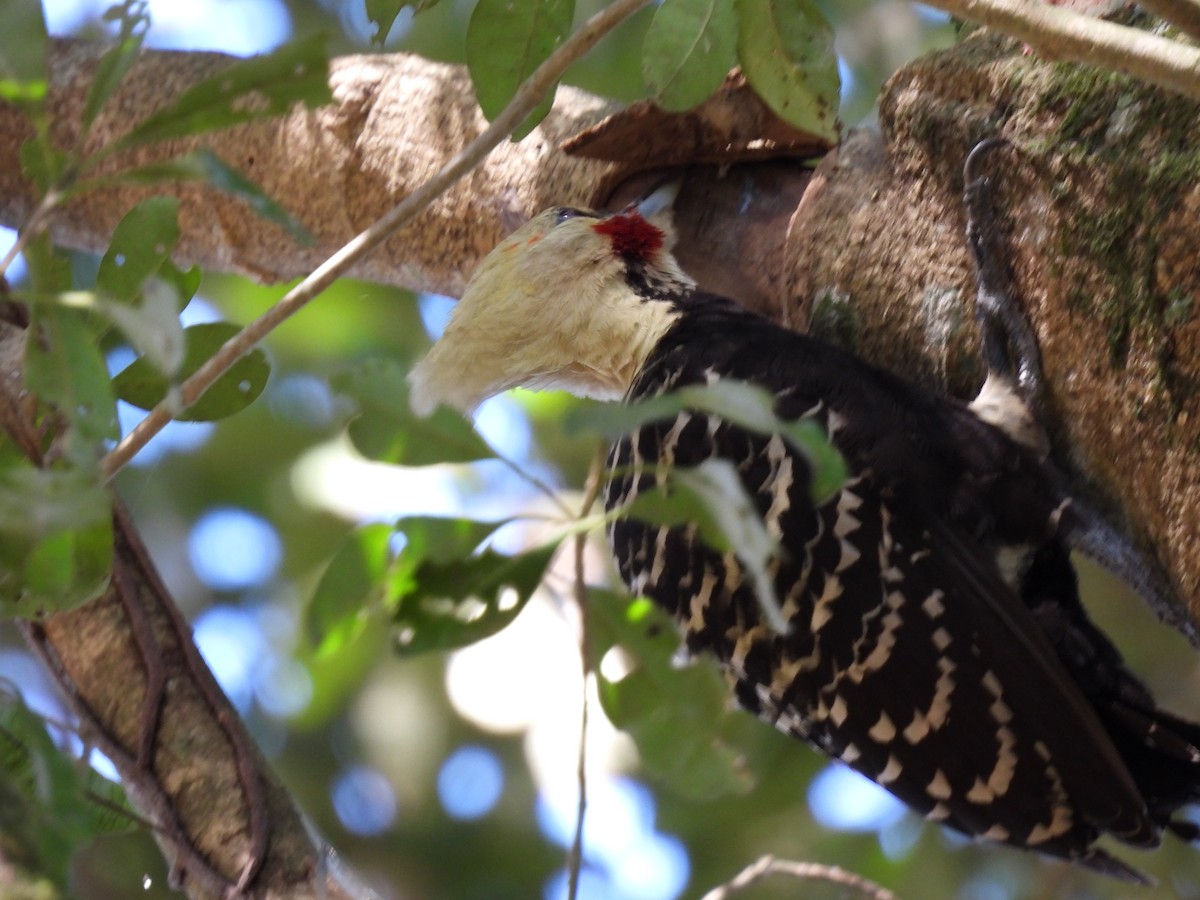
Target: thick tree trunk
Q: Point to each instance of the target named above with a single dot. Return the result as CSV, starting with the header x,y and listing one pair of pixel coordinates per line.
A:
x,y
1101,193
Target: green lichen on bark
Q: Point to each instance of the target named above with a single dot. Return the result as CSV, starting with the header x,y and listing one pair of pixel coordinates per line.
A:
x,y
1131,148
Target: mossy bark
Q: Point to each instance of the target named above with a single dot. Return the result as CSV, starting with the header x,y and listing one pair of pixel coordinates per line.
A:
x,y
1101,193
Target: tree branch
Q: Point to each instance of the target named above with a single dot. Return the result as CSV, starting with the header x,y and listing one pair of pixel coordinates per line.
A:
x,y
1183,14
801,871
1062,34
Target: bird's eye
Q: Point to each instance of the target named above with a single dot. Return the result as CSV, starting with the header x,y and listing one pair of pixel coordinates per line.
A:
x,y
566,213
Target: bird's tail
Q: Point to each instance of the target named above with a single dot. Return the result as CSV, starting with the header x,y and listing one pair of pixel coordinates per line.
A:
x,y
1162,752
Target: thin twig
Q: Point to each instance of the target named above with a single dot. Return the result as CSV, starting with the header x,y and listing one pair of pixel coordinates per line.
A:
x,y
1183,14
528,96
1061,34
575,857
803,871
536,483
36,222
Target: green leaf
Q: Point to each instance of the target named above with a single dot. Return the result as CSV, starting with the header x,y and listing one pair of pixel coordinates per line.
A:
x,y
439,590
204,165
506,41
116,61
248,90
142,241
352,585
152,326
386,430
743,404
785,48
145,386
712,497
366,577
56,542
64,367
382,13
457,603
50,804
690,48
22,53
674,713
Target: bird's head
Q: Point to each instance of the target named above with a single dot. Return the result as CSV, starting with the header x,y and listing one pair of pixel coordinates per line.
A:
x,y
572,300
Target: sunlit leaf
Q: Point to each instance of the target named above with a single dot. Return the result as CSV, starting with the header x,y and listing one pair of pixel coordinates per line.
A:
x,y
248,90
141,384
785,48
506,41
204,165
738,402
712,496
116,61
446,593
674,713
22,52
152,326
56,541
690,48
64,367
386,430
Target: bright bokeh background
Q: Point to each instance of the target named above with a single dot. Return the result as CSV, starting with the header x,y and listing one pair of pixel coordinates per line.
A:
x,y
455,777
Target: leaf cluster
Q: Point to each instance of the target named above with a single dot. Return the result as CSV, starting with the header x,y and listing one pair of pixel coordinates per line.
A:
x,y
54,508
784,47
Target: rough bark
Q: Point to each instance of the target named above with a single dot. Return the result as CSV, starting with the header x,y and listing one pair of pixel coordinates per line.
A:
x,y
1102,196
395,120
1101,193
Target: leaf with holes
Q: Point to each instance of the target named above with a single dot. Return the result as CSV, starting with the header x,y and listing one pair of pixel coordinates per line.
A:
x,y
690,48
144,386
368,575
506,41
457,603
785,48
141,243
245,91
443,592
386,430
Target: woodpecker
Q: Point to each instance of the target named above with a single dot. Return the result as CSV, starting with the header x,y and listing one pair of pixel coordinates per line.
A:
x,y
936,641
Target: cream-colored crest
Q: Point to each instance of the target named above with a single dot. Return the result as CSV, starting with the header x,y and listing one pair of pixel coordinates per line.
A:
x,y
548,308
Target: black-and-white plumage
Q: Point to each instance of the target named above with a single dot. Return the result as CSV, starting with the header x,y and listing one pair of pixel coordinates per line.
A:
x,y
936,642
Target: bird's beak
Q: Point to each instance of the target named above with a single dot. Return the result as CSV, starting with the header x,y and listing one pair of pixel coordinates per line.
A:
x,y
661,199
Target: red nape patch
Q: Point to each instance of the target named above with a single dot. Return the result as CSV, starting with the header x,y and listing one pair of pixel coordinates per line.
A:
x,y
632,236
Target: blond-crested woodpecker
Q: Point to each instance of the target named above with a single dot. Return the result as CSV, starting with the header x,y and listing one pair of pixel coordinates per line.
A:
x,y
936,640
